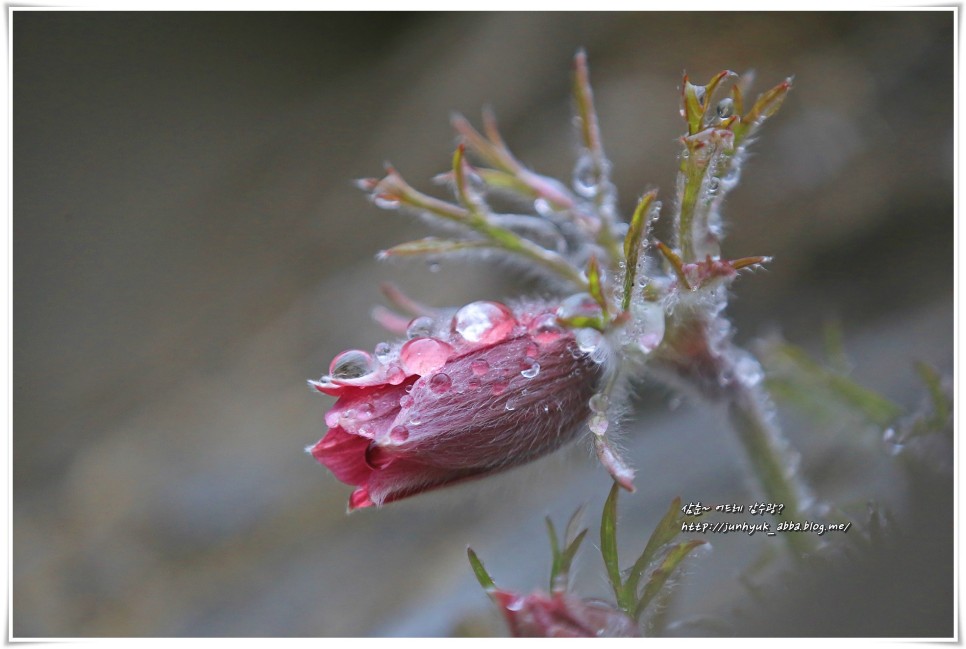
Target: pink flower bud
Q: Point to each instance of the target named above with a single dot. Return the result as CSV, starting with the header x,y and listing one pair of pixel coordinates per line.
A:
x,y
561,615
486,390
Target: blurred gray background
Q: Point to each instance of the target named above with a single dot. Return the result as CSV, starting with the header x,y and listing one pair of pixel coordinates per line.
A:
x,y
188,249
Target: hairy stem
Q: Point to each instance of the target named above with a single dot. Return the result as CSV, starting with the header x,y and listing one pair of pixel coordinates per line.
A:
x,y
771,457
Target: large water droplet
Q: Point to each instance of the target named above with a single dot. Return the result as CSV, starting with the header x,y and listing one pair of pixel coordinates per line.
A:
x,y
544,329
725,108
424,355
440,383
531,371
599,402
420,327
405,401
383,352
480,367
399,434
351,364
588,340
395,375
484,322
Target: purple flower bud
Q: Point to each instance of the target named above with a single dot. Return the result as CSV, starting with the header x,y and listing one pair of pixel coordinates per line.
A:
x,y
561,615
493,388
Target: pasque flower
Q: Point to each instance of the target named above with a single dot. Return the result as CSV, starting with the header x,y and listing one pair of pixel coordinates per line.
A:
x,y
562,615
469,393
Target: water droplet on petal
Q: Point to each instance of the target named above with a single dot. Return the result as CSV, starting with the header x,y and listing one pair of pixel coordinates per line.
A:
x,y
424,355
531,371
480,367
545,329
532,350
365,412
383,352
440,383
395,375
351,364
484,322
509,406
474,384
420,327
498,388
399,434
405,401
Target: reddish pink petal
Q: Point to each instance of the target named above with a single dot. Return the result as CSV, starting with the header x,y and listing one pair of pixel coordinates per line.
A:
x,y
344,455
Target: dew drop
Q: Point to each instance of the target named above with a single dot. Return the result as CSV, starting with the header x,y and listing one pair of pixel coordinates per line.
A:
x,y
585,177
424,355
399,434
474,383
725,108
543,207
480,367
748,371
395,375
484,322
498,388
533,350
599,423
509,406
433,266
599,402
588,340
415,421
440,383
351,364
531,371
366,412
420,327
383,352
544,329
649,325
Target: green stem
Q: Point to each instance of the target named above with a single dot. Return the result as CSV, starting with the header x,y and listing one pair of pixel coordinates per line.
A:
x,y
770,457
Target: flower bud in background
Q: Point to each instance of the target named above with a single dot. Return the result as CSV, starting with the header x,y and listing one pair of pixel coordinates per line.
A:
x,y
486,389
562,615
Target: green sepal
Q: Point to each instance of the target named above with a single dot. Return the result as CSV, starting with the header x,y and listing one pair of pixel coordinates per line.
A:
x,y
668,528
608,544
660,576
633,244
482,575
